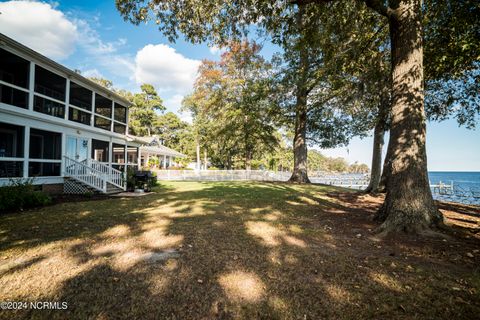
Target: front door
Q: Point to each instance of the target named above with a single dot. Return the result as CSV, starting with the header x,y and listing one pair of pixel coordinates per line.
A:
x,y
77,148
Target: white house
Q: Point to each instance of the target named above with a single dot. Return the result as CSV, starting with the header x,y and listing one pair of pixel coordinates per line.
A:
x,y
152,147
64,130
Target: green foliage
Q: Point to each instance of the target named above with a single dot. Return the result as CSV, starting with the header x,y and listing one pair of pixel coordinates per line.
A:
x,y
234,118
21,194
143,112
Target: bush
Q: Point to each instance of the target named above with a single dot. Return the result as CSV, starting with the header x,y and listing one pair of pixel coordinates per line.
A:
x,y
20,194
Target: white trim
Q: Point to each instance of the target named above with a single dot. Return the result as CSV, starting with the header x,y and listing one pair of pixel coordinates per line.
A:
x,y
79,109
45,160
26,150
34,115
14,86
67,98
11,159
31,85
36,180
49,98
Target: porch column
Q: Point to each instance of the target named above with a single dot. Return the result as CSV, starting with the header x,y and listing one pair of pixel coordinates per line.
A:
x,y
164,161
139,158
26,150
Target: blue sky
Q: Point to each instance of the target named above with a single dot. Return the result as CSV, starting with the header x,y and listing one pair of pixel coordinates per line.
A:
x,y
92,37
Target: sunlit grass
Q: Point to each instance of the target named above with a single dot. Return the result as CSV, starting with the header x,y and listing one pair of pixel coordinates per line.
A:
x,y
230,250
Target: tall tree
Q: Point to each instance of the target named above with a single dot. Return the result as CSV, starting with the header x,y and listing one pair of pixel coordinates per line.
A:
x,y
408,204
143,112
231,105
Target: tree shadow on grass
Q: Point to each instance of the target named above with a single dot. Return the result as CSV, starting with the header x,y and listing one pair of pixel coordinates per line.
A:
x,y
241,250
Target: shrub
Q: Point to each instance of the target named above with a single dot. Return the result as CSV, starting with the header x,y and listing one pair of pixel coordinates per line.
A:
x,y
21,194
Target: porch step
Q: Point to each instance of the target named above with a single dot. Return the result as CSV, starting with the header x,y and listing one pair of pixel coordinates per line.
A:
x,y
112,189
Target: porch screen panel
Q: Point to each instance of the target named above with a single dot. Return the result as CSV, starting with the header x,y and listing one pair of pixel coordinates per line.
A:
x,y
103,106
79,116
80,97
14,71
44,145
103,123
50,84
11,150
119,128
100,150
118,155
14,97
120,113
48,107
132,155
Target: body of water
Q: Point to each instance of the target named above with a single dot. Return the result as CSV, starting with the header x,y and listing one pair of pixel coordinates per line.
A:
x,y
466,186
461,179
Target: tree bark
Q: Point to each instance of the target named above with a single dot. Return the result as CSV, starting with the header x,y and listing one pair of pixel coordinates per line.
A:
x,y
408,205
378,141
248,159
205,158
299,174
199,164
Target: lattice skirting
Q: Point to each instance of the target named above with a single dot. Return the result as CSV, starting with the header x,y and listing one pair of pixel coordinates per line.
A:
x,y
73,187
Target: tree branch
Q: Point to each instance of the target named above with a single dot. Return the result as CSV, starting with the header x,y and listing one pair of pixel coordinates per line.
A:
x,y
379,7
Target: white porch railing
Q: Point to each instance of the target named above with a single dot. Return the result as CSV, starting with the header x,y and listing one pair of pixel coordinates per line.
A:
x,y
94,174
88,175
112,175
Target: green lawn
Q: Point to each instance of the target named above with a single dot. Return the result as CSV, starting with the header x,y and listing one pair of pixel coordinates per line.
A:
x,y
231,250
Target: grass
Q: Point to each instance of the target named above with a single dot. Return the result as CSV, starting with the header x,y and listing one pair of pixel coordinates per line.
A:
x,y
235,250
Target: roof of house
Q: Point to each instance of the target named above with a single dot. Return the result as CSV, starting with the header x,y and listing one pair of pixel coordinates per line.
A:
x,y
152,145
4,40
163,151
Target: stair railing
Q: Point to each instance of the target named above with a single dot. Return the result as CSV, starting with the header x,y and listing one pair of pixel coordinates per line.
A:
x,y
113,176
85,174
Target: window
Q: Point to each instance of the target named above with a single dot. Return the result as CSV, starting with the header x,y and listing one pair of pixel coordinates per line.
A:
x,y
80,97
14,97
119,128
79,116
11,146
44,145
49,84
48,107
100,150
120,113
13,69
103,106
118,155
102,123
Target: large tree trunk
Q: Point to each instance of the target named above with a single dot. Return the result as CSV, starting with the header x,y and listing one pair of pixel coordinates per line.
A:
x,y
408,206
376,172
378,142
299,174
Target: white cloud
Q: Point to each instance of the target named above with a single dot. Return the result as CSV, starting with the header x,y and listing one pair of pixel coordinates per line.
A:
x,y
92,73
39,26
216,50
174,103
161,66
